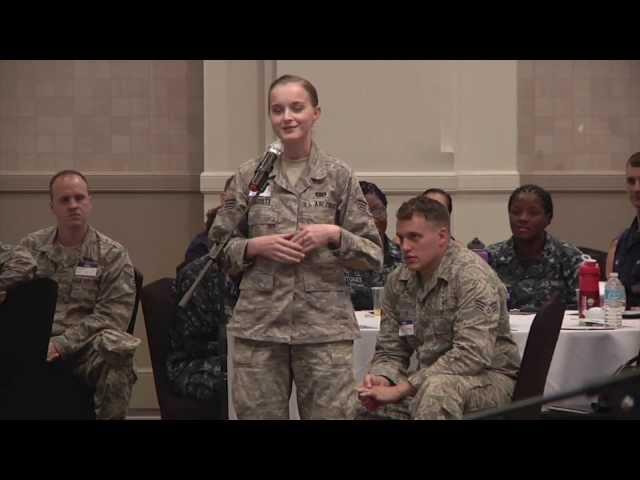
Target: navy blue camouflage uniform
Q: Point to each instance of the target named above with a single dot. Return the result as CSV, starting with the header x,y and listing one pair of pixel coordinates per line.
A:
x,y
194,364
361,281
531,283
627,263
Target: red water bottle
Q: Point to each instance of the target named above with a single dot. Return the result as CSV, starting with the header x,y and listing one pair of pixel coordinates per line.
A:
x,y
589,289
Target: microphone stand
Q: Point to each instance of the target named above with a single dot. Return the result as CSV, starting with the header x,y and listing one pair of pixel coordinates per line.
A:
x,y
214,254
623,387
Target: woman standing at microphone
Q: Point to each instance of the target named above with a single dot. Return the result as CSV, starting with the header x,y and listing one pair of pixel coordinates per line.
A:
x,y
294,320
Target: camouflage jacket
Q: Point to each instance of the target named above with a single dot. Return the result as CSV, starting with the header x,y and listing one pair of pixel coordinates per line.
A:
x,y
361,281
627,263
16,265
530,286
96,288
307,302
457,322
195,361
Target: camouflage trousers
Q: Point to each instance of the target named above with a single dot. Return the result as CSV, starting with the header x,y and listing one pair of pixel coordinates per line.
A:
x,y
263,373
444,397
106,364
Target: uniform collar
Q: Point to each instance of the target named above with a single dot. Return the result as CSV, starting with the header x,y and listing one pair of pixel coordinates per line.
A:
x,y
49,245
316,169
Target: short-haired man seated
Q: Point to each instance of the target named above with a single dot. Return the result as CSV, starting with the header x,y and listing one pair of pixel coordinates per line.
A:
x,y
96,292
624,251
447,304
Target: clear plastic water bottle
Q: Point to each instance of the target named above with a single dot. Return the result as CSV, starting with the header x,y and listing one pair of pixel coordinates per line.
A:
x,y
615,301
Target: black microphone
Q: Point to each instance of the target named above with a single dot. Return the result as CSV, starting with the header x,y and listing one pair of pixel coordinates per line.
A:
x,y
261,175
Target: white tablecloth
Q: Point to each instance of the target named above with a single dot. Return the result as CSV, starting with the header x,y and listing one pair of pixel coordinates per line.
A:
x,y
580,357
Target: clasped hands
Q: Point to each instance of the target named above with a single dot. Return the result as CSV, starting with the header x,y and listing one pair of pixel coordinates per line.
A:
x,y
53,353
376,391
293,247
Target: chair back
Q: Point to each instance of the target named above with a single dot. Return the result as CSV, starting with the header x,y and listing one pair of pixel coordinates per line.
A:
x,y
159,308
138,278
27,316
537,356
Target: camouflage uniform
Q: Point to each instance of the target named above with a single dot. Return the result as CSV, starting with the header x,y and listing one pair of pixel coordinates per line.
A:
x,y
530,286
16,265
92,313
194,364
467,358
627,263
361,281
299,316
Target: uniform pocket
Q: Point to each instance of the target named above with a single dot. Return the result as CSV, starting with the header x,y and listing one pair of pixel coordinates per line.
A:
x,y
341,353
319,216
262,220
85,289
242,352
256,280
443,324
324,279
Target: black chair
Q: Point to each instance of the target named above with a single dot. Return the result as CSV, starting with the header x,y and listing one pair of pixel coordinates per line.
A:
x,y
138,279
537,356
534,367
26,328
600,257
159,308
73,399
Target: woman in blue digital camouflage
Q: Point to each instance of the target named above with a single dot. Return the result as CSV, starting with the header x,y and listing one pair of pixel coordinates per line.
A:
x,y
533,264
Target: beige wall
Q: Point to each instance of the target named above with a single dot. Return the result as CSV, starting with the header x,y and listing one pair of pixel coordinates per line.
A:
x,y
581,115
590,219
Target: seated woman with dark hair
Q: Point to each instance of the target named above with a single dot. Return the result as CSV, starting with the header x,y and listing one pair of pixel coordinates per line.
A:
x,y
532,264
195,361
200,245
361,281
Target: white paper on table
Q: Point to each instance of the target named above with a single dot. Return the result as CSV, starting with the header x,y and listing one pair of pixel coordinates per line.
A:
x,y
520,322
367,319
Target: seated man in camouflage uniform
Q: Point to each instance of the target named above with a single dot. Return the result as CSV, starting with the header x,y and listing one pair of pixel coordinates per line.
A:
x,y
96,292
361,281
16,265
446,304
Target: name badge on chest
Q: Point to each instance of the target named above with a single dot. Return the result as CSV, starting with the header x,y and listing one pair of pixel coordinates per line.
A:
x,y
266,192
86,269
406,328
